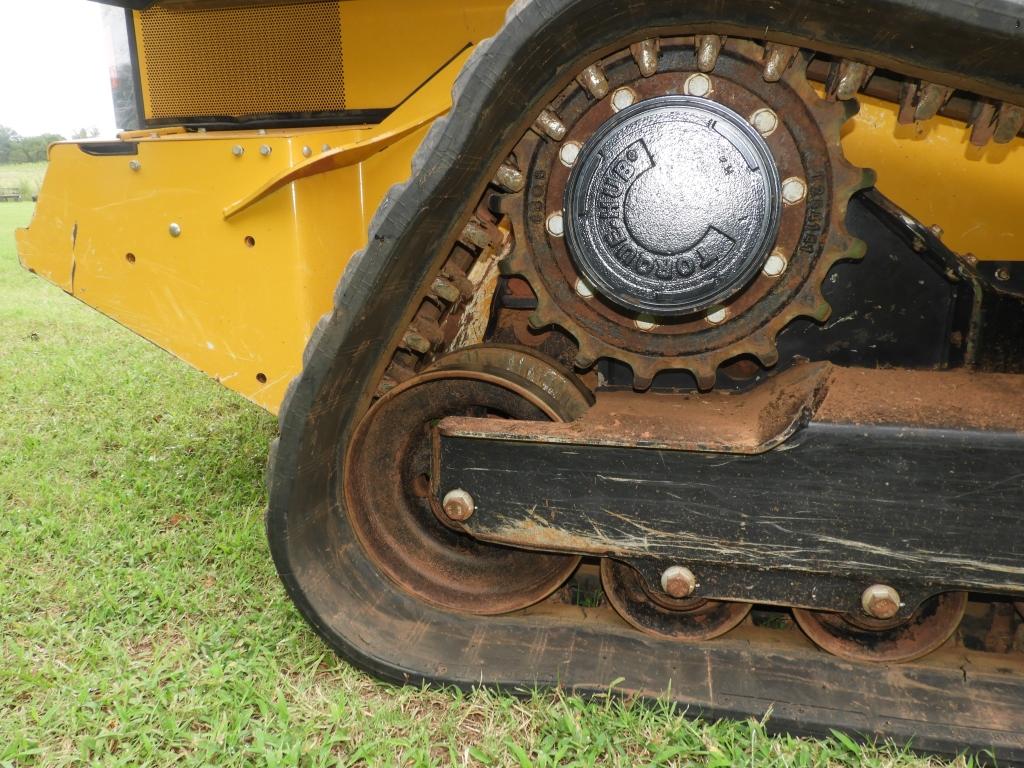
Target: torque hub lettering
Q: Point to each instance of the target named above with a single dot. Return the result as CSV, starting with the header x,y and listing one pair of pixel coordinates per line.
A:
x,y
672,206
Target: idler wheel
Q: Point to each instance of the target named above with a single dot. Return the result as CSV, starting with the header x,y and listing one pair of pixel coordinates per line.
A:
x,y
688,619
387,482
860,638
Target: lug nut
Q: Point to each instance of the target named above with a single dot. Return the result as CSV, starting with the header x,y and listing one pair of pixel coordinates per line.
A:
x,y
880,601
458,505
678,581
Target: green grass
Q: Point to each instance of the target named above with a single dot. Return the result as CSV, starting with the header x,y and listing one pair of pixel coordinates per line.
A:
x,y
141,622
27,177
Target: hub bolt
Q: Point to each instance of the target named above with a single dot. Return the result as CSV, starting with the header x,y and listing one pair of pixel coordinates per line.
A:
x,y
775,265
568,153
717,316
697,84
458,505
622,98
678,581
556,224
764,121
880,601
793,190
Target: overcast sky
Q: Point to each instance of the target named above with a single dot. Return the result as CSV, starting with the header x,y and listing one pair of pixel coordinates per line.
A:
x,y
56,73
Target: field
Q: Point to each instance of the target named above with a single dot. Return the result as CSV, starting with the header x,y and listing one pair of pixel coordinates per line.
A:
x,y
26,177
141,622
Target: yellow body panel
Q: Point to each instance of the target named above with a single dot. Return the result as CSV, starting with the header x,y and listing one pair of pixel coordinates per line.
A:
x,y
235,296
279,57
974,194
265,237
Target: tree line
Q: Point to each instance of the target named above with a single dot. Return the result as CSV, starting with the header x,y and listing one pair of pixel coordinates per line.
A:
x,y
32,149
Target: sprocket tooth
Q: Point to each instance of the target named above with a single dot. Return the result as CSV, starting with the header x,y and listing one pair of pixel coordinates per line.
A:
x,y
642,381
765,350
704,373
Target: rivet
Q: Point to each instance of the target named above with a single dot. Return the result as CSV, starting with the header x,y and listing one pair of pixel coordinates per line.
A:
x,y
622,98
458,505
697,84
174,229
717,316
265,150
555,224
583,290
135,165
238,150
775,265
307,152
678,581
765,121
793,190
569,152
325,148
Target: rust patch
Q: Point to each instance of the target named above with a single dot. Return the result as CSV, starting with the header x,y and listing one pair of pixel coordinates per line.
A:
x,y
951,399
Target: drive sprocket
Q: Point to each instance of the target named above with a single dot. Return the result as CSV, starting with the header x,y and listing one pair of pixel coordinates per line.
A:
x,y
783,275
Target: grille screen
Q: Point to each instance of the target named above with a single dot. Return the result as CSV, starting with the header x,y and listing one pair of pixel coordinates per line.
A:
x,y
247,59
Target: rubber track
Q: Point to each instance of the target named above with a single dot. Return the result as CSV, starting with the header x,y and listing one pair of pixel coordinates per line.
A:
x,y
981,41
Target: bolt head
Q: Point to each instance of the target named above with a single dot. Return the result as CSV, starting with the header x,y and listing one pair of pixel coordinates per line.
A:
x,y
793,190
678,581
697,84
583,290
568,153
765,121
265,150
556,224
622,98
458,505
717,315
238,150
174,229
880,601
135,165
775,265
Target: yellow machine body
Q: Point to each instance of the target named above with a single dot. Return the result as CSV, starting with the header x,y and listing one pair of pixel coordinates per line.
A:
x,y
224,247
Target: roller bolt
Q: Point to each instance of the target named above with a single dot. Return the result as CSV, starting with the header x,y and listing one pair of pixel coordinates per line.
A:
x,y
880,601
678,582
458,505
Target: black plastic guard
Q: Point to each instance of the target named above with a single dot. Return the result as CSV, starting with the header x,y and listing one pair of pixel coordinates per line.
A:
x,y
977,45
